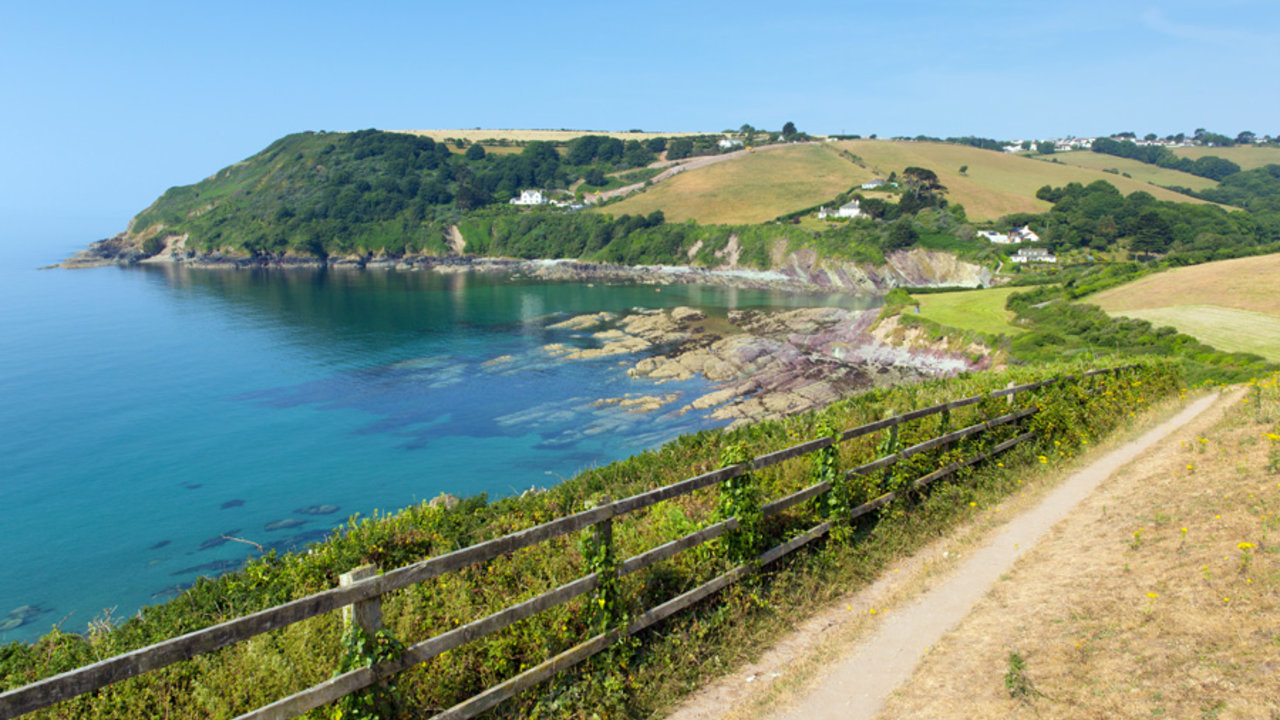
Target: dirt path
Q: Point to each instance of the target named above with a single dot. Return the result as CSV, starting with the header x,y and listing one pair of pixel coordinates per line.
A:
x,y
855,682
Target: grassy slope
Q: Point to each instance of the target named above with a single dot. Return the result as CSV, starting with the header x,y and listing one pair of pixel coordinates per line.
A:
x,y
755,188
1141,171
980,310
1231,304
1225,328
996,184
1247,158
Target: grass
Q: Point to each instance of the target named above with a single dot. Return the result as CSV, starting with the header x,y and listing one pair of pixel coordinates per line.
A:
x,y
995,184
1178,623
751,189
1247,158
1140,171
1243,284
1224,328
979,310
549,135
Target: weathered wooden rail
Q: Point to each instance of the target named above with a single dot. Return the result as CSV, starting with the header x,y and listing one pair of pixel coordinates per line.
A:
x,y
361,590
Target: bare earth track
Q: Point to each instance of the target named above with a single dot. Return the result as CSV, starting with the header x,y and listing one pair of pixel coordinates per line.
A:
x,y
849,661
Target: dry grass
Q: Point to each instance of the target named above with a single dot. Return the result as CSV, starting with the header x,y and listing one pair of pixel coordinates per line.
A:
x,y
1243,283
1140,171
550,135
1247,158
753,188
1156,598
995,184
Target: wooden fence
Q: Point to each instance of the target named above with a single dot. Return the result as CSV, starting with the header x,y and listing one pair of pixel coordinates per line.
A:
x,y
360,591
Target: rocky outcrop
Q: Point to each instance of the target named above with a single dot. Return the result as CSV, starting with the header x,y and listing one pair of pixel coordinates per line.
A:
x,y
762,364
912,268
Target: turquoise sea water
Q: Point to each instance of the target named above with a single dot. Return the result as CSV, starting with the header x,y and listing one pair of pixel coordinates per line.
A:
x,y
148,411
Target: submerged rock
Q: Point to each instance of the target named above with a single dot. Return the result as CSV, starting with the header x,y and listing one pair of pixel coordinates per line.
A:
x,y
237,502
214,542
160,544
283,524
317,510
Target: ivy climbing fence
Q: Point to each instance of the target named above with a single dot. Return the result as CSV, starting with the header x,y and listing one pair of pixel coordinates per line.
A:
x,y
361,590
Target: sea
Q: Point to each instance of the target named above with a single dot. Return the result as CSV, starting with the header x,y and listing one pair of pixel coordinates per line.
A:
x,y
148,413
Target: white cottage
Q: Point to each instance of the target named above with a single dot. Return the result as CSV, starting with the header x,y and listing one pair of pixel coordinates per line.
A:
x,y
530,197
1030,255
873,184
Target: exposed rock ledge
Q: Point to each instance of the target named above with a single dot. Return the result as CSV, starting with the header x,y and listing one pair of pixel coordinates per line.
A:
x,y
763,364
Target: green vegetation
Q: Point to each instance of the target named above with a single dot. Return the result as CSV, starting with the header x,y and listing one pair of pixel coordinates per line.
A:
x,y
636,680
1154,174
1209,166
1233,330
982,311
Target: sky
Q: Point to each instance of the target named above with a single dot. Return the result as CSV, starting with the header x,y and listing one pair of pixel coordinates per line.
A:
x,y
105,105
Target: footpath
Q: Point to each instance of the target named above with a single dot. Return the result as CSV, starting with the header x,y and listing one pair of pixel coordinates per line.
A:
x,y
849,662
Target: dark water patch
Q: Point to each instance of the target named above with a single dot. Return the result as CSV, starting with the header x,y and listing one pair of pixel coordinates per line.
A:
x,y
317,510
237,502
283,524
214,542
159,545
215,568
22,615
193,486
172,590
299,541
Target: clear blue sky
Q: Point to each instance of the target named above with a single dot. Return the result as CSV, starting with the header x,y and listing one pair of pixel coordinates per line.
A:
x,y
107,104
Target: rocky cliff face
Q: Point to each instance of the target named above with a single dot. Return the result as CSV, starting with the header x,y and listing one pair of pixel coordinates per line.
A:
x,y
914,268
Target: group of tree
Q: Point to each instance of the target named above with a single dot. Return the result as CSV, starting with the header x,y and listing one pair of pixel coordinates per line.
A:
x,y
1209,166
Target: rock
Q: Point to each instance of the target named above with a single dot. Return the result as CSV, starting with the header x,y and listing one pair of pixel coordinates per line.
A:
x,y
445,500
159,545
584,322
231,504
685,315
22,612
500,360
214,542
283,524
10,623
317,510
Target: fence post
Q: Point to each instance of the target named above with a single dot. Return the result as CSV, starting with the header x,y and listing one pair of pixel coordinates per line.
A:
x,y
1009,399
366,613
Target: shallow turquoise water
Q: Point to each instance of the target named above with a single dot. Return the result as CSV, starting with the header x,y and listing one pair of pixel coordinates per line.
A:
x,y
148,411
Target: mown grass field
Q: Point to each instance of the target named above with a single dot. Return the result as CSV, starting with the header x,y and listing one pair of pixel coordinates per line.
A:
x,y
1224,328
1247,158
995,184
1251,283
1233,305
1140,171
549,135
754,188
979,310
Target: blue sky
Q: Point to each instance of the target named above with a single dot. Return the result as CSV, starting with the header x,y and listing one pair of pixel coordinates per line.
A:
x,y
107,104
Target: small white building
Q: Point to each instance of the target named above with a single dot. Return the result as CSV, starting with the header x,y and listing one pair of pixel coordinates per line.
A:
x,y
1033,255
1023,234
873,184
726,143
998,238
530,197
850,209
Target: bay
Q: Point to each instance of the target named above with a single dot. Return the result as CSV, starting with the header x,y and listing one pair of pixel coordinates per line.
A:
x,y
149,413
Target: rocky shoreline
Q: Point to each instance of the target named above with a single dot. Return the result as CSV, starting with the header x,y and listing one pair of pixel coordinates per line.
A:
x,y
801,270
763,364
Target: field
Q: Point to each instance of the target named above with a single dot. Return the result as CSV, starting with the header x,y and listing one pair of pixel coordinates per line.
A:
x,y
754,188
979,310
1232,304
1223,328
995,184
1247,158
1144,172
476,134
1243,283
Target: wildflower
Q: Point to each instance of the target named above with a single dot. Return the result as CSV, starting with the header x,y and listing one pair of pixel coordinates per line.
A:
x,y
1153,596
973,504
1245,545
1044,460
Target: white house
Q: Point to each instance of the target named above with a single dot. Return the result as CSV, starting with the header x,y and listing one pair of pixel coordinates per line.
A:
x,y
873,184
998,238
726,143
848,210
1030,255
529,197
1023,234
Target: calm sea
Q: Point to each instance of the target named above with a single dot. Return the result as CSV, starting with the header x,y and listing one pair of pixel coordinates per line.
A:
x,y
146,412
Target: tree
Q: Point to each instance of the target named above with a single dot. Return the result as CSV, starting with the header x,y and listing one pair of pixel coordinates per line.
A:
x,y
964,169
1150,136
1045,147
922,177
789,129
679,148
475,152
594,177
902,234
1247,137
1026,144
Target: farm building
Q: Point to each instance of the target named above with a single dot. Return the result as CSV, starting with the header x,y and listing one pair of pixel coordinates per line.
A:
x,y
850,209
529,197
873,184
1030,255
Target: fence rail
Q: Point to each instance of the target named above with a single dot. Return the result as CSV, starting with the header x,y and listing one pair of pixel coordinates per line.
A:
x,y
116,669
